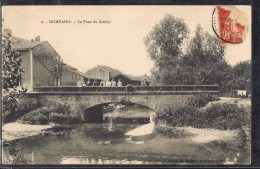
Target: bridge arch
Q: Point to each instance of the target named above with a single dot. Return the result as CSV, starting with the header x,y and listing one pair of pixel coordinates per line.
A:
x,y
96,113
104,99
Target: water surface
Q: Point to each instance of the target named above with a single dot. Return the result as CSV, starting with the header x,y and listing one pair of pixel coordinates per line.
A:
x,y
106,143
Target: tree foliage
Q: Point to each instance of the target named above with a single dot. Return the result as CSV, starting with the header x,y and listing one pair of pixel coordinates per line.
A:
x,y
12,73
164,46
205,59
241,76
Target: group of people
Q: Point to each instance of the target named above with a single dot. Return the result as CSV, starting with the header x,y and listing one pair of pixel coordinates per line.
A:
x,y
104,83
81,83
111,83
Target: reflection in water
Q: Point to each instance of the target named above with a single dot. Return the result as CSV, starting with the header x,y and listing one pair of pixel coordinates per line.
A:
x,y
89,160
107,143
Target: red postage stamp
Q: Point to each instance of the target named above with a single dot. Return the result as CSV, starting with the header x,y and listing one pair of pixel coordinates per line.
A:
x,y
229,24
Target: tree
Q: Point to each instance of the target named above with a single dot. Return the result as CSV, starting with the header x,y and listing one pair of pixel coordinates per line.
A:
x,y
205,61
164,46
11,72
241,76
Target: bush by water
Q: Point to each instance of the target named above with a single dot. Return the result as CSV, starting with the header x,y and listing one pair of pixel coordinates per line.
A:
x,y
218,116
226,116
57,113
200,100
182,115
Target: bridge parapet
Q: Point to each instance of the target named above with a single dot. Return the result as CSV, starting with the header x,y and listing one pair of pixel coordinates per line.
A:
x,y
170,89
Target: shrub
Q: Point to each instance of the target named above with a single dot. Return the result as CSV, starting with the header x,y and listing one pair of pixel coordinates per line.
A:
x,y
23,106
73,120
226,116
171,132
244,141
38,116
41,119
200,100
56,113
57,118
60,108
177,115
219,116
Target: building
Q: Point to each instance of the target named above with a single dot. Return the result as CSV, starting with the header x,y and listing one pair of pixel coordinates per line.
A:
x,y
42,65
106,73
40,62
71,76
133,80
102,72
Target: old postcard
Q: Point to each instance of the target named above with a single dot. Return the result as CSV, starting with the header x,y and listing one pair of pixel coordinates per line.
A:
x,y
126,85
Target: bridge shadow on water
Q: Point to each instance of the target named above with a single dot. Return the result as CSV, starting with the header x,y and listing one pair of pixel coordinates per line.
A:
x,y
116,119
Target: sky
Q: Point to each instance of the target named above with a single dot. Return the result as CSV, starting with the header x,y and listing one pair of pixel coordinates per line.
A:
x,y
118,44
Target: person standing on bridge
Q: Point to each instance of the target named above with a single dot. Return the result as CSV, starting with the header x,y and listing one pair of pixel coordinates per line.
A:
x,y
102,83
79,83
108,83
119,83
143,83
88,83
113,82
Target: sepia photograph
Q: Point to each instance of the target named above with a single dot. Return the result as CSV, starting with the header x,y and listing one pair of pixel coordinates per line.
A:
x,y
118,84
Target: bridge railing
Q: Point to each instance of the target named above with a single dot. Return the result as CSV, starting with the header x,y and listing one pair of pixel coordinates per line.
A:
x,y
178,88
127,89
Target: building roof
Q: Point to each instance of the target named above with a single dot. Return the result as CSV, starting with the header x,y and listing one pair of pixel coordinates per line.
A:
x,y
66,66
131,77
22,44
146,78
115,72
112,72
137,78
79,73
75,70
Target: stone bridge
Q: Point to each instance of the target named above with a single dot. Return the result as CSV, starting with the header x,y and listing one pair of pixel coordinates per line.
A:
x,y
79,100
87,101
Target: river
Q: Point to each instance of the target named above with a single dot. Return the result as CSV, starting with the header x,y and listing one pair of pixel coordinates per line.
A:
x,y
106,143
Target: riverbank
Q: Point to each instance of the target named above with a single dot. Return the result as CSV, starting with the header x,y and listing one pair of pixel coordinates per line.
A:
x,y
196,135
16,130
208,135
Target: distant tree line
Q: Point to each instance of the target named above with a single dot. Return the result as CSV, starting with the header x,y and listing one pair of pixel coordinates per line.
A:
x,y
201,62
